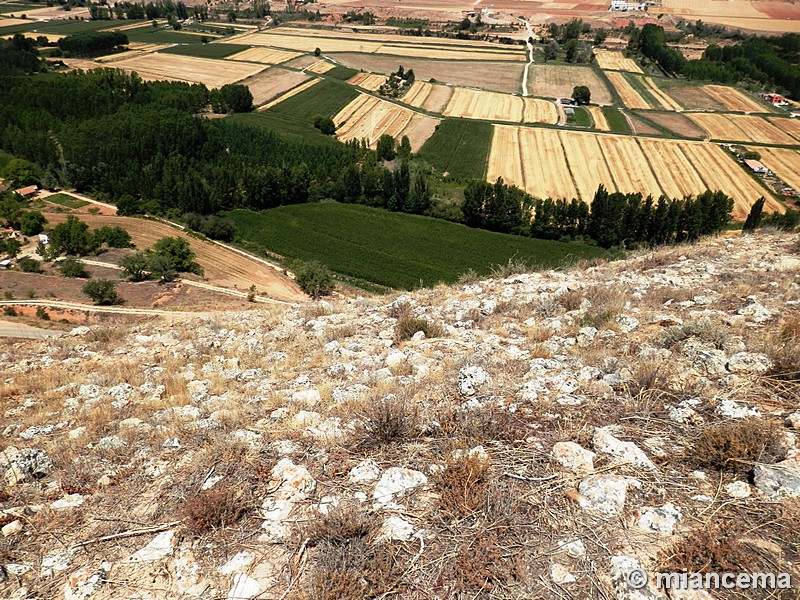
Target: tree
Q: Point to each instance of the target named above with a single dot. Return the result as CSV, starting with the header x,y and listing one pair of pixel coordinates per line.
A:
x,y
404,150
754,217
571,50
161,267
114,236
325,124
102,292
21,172
581,94
72,266
9,247
135,266
315,279
385,147
32,222
178,251
317,52
237,97
29,265
72,237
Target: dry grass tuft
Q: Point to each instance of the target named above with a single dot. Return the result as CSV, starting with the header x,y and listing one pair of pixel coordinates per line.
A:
x,y
514,266
606,303
340,525
407,324
218,508
481,425
463,484
736,446
704,330
388,420
783,350
712,549
651,381
482,566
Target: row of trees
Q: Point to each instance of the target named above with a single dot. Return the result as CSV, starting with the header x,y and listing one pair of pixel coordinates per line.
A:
x,y
92,42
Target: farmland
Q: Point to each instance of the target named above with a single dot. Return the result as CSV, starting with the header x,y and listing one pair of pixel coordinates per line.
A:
x,y
459,148
221,266
629,95
367,117
272,83
367,81
205,50
615,61
213,73
480,104
559,164
598,118
784,163
558,81
742,128
267,56
393,249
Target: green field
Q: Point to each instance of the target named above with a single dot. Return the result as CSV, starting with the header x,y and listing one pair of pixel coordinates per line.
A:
x,y
393,249
63,27
460,148
339,72
579,117
66,200
616,120
18,9
158,35
206,50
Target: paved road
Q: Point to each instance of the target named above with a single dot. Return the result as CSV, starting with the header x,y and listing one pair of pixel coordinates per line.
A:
x,y
18,330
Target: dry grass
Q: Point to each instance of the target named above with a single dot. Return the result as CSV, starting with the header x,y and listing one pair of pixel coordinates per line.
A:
x,y
736,446
712,549
408,324
462,484
387,420
218,508
704,330
339,526
605,304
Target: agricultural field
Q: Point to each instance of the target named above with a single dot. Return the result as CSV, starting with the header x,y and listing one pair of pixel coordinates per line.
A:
x,y
368,117
630,97
567,164
678,123
268,85
616,121
293,91
325,98
742,128
642,126
599,118
492,106
213,73
320,66
712,97
394,249
790,126
766,17
459,148
221,266
205,50
616,61
428,96
784,163
367,81
735,100
661,98
495,76
558,81
147,34
268,56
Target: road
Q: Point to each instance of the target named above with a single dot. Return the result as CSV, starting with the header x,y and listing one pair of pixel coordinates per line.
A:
x,y
120,310
18,330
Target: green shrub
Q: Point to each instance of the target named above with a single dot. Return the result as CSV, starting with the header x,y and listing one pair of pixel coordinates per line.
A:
x,y
315,279
72,266
29,265
102,292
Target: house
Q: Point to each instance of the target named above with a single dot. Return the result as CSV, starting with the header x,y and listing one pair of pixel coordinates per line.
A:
x,y
28,192
775,99
44,238
756,166
10,232
5,264
624,6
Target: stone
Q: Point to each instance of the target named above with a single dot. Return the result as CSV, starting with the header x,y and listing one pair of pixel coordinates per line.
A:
x,y
561,575
685,412
159,547
86,582
26,464
604,441
364,472
396,481
292,483
748,362
604,494
662,519
55,563
630,580
244,588
738,489
793,420
397,529
627,323
574,457
757,312
778,480
471,379
68,501
586,336
12,528
394,359
310,397
734,410
575,548
236,563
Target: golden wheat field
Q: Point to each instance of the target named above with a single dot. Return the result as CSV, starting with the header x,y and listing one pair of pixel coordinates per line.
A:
x,y
630,97
213,73
733,99
268,56
368,81
616,61
784,163
494,106
321,66
741,128
367,117
293,91
599,118
666,101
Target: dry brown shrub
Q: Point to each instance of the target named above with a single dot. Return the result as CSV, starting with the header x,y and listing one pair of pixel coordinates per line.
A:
x,y
704,330
736,446
462,484
605,304
650,380
342,332
571,300
407,324
218,508
340,525
481,565
783,350
712,549
387,420
485,424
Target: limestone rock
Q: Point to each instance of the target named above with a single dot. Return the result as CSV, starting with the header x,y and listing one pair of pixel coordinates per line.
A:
x,y
604,441
605,494
471,379
779,480
396,481
574,457
662,519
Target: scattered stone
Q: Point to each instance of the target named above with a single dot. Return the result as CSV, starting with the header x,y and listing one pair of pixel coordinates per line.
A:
x,y
68,501
734,410
86,582
630,580
237,562
159,547
244,588
26,464
12,528
738,489
662,519
627,323
757,312
747,362
364,472
397,529
605,494
471,379
793,420
561,575
574,457
395,481
779,480
604,441
309,397
575,548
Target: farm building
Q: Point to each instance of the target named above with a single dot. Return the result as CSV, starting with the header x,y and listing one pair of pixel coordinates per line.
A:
x,y
28,192
44,238
756,167
623,6
775,99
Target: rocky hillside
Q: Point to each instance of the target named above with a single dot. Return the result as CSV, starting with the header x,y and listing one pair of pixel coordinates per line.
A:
x,y
529,436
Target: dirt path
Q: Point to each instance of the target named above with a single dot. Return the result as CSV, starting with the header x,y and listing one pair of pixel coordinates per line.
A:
x,y
529,52
120,310
19,330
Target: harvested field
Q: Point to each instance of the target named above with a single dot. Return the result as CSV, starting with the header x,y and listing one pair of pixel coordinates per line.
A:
x,y
428,96
290,93
222,267
491,106
666,101
593,169
268,56
720,172
693,98
641,126
321,66
499,77
557,81
675,173
629,165
437,52
784,163
368,81
733,99
504,158
790,126
742,128
213,73
616,61
417,93
630,97
677,123
272,83
303,61
369,118
599,118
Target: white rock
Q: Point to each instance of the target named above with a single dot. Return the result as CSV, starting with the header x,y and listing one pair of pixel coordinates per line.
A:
x,y
310,397
757,312
685,412
11,528
627,323
55,563
738,489
364,472
394,359
793,420
561,575
244,588
82,330
237,562
605,494
574,457
575,548
159,547
68,501
396,528
471,379
23,465
586,336
662,519
734,410
748,362
604,441
305,418
779,480
395,481
628,575
86,582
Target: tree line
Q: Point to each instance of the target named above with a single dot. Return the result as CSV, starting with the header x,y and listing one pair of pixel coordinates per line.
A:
x,y
92,42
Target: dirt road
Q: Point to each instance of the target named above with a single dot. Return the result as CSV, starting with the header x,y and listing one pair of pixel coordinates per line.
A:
x,y
19,330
